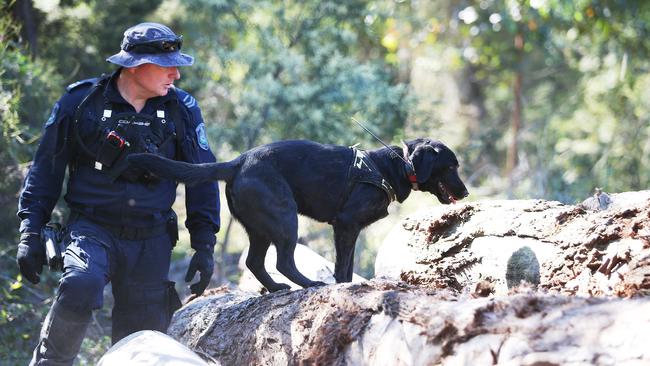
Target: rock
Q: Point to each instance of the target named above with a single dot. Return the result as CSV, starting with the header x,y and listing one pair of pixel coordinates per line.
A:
x,y
599,201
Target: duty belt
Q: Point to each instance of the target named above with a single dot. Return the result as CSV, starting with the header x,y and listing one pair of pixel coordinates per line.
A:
x,y
125,232
134,233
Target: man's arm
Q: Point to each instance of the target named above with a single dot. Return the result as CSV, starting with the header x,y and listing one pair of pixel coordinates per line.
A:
x,y
202,200
43,183
41,190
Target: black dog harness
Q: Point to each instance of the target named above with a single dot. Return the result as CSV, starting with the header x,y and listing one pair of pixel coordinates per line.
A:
x,y
364,170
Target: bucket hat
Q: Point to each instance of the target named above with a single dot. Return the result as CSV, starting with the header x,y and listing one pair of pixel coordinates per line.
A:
x,y
151,43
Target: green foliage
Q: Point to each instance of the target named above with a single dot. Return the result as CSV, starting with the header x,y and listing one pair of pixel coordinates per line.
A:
x,y
271,70
91,31
93,348
22,308
580,64
27,88
284,70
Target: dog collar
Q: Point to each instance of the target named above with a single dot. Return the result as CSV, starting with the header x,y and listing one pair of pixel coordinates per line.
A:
x,y
409,168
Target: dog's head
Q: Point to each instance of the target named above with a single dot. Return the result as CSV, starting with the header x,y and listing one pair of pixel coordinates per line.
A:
x,y
436,168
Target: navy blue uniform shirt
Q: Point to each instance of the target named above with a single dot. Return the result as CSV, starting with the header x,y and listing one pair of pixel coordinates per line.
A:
x,y
132,204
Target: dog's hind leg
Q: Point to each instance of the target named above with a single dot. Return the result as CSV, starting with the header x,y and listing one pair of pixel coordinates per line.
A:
x,y
264,203
287,266
255,262
285,243
345,238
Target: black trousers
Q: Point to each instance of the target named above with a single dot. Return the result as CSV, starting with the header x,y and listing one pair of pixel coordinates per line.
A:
x,y
138,271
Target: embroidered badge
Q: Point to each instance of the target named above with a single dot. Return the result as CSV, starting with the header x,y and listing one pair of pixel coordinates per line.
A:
x,y
50,120
202,137
189,101
80,82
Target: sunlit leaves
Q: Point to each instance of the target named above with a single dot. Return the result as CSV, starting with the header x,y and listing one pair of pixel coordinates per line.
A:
x,y
297,70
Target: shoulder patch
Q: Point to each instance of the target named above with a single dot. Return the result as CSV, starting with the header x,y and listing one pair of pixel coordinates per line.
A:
x,y
52,118
79,83
189,101
202,137
186,98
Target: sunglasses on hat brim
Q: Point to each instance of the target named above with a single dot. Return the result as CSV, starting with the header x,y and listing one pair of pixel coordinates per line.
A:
x,y
155,46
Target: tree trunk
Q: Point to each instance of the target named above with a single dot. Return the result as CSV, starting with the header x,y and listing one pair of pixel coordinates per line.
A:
x,y
457,296
513,148
511,159
574,250
384,322
24,13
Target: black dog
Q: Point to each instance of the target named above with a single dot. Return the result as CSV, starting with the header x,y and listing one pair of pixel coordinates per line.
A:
x,y
268,186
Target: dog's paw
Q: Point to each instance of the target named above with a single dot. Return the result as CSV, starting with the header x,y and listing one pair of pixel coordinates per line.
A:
x,y
278,287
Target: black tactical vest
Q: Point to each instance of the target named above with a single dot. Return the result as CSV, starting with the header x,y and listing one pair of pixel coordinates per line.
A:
x,y
105,138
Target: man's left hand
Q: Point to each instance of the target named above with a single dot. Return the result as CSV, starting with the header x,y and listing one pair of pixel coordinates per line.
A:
x,y
31,257
203,262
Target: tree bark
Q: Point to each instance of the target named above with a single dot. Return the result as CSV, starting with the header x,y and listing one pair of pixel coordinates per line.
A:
x,y
481,283
383,322
569,249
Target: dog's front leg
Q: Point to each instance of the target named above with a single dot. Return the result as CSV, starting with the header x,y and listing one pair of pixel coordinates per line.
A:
x,y
345,238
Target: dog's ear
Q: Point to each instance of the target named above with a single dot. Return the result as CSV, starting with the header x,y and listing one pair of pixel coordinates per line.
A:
x,y
424,158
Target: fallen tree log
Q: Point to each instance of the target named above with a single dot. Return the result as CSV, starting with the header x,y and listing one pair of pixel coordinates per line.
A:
x,y
565,248
383,322
452,293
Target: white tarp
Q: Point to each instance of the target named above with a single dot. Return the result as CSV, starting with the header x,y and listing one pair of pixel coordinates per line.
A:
x,y
149,347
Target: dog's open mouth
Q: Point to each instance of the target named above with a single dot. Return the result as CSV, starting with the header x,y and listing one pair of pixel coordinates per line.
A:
x,y
446,193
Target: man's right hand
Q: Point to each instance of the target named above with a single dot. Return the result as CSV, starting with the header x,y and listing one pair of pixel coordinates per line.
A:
x,y
203,262
31,257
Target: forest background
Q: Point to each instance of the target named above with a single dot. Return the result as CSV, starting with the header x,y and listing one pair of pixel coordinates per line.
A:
x,y
539,99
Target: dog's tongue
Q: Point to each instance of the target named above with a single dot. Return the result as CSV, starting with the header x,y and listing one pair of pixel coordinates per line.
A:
x,y
450,196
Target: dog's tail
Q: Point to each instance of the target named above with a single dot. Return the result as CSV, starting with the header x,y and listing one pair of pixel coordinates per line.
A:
x,y
181,171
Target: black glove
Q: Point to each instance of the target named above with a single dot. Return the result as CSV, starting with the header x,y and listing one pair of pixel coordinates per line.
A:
x,y
203,262
31,257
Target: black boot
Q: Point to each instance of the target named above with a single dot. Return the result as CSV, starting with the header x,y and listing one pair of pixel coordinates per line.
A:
x,y
61,336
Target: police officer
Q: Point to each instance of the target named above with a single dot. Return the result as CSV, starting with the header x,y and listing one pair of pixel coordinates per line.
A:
x,y
121,228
